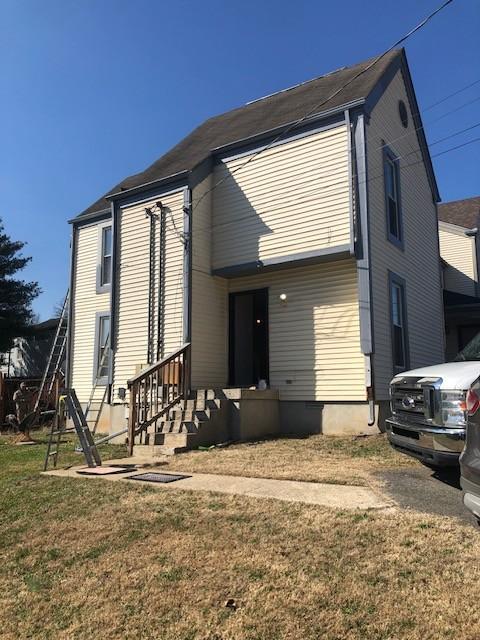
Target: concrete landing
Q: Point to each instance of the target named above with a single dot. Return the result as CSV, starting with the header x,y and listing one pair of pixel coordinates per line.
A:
x,y
328,495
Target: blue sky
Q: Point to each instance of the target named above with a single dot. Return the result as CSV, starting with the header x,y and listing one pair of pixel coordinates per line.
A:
x,y
94,90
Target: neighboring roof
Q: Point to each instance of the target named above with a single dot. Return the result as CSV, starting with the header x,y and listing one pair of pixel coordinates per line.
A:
x,y
463,213
255,118
46,325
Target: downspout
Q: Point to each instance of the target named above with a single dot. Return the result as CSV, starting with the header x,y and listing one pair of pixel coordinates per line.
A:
x,y
151,285
161,287
473,234
187,273
362,252
68,364
113,298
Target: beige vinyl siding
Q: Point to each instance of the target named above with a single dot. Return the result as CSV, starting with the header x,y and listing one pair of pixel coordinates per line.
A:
x,y
459,251
419,263
314,337
132,302
86,303
292,198
209,300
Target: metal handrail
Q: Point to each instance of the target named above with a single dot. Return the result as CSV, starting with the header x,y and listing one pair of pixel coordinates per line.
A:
x,y
156,389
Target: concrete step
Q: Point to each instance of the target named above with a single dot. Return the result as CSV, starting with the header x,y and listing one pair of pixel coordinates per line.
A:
x,y
200,404
172,440
154,451
205,394
179,426
191,414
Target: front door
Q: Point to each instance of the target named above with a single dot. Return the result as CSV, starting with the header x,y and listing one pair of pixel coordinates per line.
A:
x,y
248,339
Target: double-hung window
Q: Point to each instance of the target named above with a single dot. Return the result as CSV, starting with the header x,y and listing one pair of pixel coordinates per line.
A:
x,y
391,170
398,318
104,267
102,350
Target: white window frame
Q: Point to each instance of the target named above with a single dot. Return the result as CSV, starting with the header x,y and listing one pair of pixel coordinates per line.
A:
x,y
103,380
395,282
390,160
102,286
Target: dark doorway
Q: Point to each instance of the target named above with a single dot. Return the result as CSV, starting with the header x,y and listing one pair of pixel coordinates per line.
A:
x,y
248,338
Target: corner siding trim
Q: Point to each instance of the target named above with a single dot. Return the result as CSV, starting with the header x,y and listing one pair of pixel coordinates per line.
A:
x,y
362,248
71,293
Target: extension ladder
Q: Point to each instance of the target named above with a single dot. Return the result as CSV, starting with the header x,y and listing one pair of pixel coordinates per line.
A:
x,y
55,359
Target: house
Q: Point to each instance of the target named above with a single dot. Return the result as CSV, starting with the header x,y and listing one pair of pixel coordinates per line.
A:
x,y
292,241
459,228
29,354
25,362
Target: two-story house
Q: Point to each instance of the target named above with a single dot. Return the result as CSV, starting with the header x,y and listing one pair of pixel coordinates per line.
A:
x,y
290,243
459,230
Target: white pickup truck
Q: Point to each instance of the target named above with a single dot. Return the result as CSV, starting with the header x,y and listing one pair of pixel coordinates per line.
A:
x,y
429,410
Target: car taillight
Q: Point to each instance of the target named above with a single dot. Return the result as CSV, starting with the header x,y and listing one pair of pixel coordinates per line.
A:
x,y
473,402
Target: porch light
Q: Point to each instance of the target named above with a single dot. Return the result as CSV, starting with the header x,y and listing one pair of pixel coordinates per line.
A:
x,y
283,297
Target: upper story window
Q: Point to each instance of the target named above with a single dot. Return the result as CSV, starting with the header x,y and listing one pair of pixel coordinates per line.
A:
x,y
398,317
104,266
391,169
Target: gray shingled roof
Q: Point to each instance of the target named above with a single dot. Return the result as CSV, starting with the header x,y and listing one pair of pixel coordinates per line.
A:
x,y
254,118
464,213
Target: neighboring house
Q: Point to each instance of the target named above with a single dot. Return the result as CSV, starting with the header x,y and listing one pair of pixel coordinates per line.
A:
x,y
313,265
459,228
29,355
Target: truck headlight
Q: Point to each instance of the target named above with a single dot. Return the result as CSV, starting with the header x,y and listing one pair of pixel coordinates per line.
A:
x,y
454,408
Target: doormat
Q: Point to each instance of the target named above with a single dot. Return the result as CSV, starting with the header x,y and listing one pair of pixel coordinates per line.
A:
x,y
158,477
103,471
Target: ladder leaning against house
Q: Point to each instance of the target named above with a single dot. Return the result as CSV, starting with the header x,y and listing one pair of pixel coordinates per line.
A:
x,y
68,404
54,373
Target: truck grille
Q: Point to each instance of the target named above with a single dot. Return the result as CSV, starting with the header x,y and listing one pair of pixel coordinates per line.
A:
x,y
416,399
409,402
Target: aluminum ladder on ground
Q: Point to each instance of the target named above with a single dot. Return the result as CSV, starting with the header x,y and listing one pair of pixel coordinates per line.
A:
x,y
56,357
80,427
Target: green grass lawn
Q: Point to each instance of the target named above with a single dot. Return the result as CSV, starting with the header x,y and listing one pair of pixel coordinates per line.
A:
x,y
83,558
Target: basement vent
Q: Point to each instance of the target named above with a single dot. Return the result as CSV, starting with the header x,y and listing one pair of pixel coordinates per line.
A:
x,y
158,477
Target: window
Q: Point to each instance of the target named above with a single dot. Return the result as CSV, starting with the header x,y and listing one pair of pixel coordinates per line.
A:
x,y
392,198
403,113
399,324
104,266
102,351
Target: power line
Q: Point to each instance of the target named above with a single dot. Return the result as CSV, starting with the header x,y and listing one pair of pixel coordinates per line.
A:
x,y
329,188
465,104
455,93
315,108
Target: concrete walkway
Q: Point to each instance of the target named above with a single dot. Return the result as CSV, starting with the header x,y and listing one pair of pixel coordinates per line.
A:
x,y
328,495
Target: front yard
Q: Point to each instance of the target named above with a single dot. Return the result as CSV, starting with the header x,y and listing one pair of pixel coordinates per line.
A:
x,y
347,460
87,558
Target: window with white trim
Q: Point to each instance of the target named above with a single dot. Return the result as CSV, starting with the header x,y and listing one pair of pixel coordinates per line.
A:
x,y
106,256
398,317
102,350
392,198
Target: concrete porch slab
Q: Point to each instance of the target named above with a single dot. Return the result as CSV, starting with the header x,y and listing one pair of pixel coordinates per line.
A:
x,y
327,495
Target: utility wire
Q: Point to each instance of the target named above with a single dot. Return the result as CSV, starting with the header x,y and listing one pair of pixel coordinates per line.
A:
x,y
455,93
331,191
333,95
